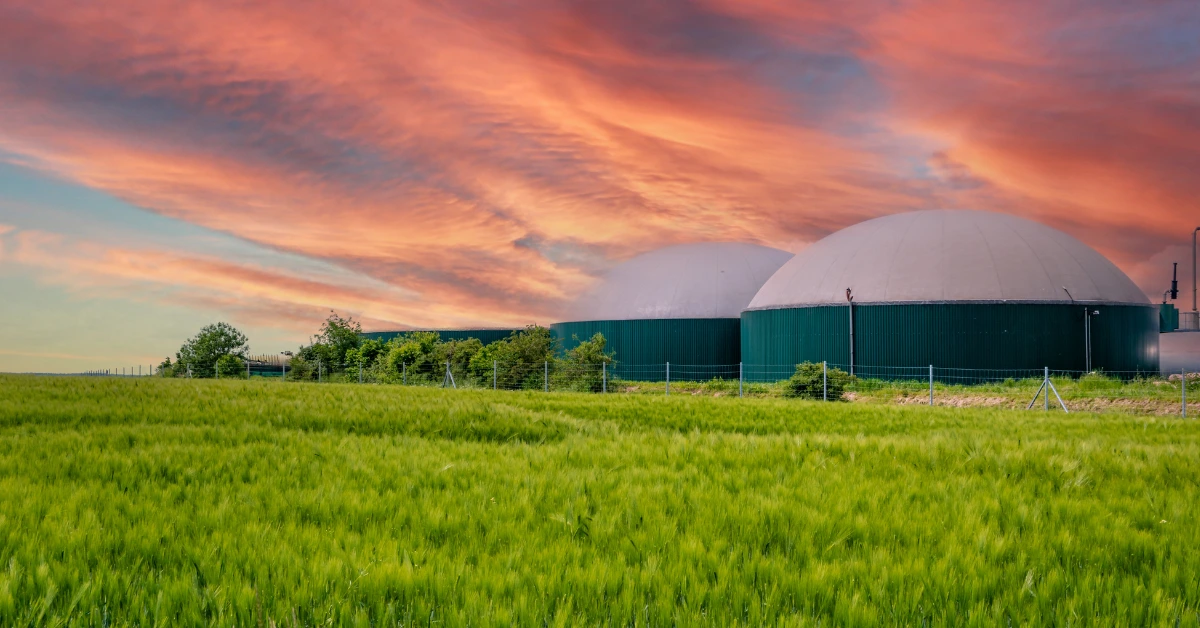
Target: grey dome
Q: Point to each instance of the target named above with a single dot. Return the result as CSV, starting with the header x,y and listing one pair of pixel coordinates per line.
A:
x,y
943,256
705,280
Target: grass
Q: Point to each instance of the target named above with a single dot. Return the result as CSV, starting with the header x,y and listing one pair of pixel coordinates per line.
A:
x,y
175,502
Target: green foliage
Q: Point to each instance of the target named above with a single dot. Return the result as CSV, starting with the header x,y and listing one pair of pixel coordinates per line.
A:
x,y
340,335
366,353
168,502
580,370
299,369
458,353
200,353
810,382
526,355
480,366
231,366
166,368
415,352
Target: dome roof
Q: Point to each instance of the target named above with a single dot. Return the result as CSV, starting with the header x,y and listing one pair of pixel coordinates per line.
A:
x,y
705,280
947,255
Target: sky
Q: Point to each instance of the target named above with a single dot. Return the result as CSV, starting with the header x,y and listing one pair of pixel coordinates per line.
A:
x,y
442,163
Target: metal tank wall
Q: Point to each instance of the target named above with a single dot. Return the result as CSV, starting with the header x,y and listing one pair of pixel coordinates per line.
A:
x,y
486,336
697,348
965,335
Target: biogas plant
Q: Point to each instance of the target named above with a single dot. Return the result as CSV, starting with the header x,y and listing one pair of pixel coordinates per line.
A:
x,y
958,289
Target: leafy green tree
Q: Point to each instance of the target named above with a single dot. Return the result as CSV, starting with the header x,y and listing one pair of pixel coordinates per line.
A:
x,y
340,335
415,352
366,354
581,368
200,353
808,382
231,366
526,354
458,353
494,353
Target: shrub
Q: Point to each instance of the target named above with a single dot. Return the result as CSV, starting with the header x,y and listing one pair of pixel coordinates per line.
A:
x,y
580,370
231,366
809,382
300,369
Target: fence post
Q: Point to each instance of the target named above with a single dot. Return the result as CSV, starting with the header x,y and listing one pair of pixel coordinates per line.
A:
x,y
247,370
1183,386
604,377
1046,381
360,372
404,372
283,376
668,378
495,367
546,377
318,371
931,384
739,379
825,380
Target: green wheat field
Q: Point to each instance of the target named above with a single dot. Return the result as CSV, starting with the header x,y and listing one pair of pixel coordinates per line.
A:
x,y
158,502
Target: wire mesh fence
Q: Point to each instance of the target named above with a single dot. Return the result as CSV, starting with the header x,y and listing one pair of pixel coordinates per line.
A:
x,y
1062,390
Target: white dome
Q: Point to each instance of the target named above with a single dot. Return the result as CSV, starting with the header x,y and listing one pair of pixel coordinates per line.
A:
x,y
943,255
705,280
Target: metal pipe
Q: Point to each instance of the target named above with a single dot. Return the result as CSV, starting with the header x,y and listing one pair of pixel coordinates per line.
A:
x,y
668,378
495,366
1183,385
825,380
739,379
931,384
547,376
1046,381
1087,340
1194,232
604,377
852,337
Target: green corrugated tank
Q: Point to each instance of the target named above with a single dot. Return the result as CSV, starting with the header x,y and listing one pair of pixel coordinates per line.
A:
x,y
698,349
679,304
486,336
1004,336
955,289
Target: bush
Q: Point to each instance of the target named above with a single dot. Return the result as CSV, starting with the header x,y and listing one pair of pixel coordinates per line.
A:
x,y
415,353
231,366
166,369
581,369
299,369
807,382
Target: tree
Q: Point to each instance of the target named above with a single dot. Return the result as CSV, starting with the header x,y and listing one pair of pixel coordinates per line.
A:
x,y
200,353
525,357
581,369
414,352
231,366
341,335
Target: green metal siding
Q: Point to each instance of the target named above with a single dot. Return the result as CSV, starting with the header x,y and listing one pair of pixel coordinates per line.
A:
x,y
697,348
1168,318
1009,336
486,336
